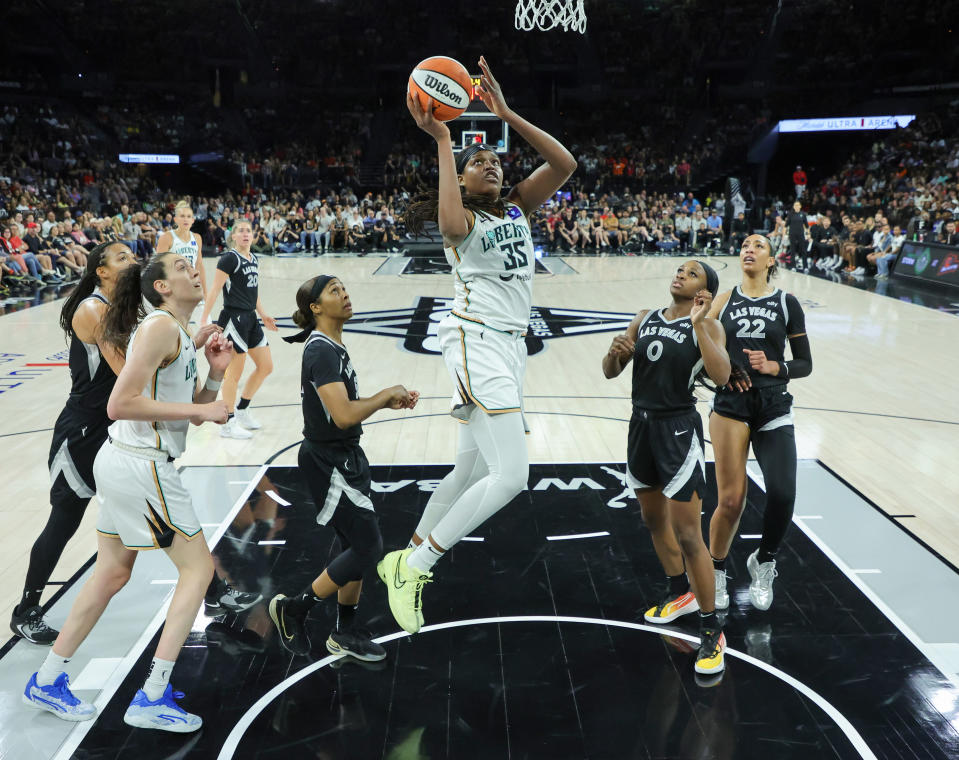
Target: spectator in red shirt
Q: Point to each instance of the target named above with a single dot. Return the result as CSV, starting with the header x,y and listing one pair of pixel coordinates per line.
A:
x,y
799,181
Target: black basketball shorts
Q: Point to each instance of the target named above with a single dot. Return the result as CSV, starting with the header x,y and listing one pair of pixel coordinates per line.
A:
x,y
666,451
336,474
763,409
76,440
243,328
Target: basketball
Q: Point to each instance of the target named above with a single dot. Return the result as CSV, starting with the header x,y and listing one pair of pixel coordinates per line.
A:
x,y
446,81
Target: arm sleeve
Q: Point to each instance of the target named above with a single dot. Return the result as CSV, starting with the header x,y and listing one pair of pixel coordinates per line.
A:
x,y
322,365
801,363
227,263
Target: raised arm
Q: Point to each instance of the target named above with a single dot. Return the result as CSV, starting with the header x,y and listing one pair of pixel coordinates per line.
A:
x,y
454,221
543,183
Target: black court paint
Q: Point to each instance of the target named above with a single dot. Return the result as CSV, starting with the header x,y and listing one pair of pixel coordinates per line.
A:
x,y
541,689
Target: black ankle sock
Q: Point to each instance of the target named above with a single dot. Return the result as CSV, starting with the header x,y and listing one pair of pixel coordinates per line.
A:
x,y
678,584
229,416
708,621
765,556
345,615
30,598
719,564
244,403
301,604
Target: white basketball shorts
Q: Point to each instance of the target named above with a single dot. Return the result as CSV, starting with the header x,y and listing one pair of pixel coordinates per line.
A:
x,y
142,500
487,366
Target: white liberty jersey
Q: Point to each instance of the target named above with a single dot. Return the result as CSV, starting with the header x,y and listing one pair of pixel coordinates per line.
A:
x,y
493,271
187,249
174,383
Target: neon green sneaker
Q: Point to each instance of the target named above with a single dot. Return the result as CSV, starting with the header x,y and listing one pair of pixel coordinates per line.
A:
x,y
405,587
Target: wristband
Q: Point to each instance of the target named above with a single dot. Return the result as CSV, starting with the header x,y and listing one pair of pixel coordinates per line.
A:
x,y
212,385
783,369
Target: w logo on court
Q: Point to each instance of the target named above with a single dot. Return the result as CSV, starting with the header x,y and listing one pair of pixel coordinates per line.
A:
x,y
415,328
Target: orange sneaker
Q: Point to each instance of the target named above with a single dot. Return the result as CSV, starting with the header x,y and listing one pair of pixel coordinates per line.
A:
x,y
671,608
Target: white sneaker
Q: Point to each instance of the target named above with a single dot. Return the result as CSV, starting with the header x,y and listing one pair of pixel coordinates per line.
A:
x,y
722,595
761,588
233,429
58,699
164,714
859,271
246,419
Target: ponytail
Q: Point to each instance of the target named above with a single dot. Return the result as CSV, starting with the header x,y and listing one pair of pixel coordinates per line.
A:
x,y
304,318
425,205
126,310
88,283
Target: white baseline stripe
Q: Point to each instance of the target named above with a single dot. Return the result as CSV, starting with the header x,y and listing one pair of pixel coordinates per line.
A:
x,y
271,543
884,608
472,538
750,535
233,740
80,730
578,535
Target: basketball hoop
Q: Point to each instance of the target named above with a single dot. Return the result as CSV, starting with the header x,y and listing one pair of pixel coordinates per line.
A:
x,y
549,14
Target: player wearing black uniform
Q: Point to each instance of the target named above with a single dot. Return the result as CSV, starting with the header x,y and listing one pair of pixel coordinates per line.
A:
x,y
336,469
669,347
238,271
756,407
79,431
799,237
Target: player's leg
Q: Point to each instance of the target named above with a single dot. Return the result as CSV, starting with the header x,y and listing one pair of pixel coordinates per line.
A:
x,y
231,382
501,440
467,470
676,598
776,455
730,439
49,688
154,705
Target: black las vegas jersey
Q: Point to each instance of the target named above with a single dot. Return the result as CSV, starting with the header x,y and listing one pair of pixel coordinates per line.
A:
x,y
326,361
242,287
91,378
761,324
666,361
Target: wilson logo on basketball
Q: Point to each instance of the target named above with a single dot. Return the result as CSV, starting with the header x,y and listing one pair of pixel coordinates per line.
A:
x,y
439,87
415,328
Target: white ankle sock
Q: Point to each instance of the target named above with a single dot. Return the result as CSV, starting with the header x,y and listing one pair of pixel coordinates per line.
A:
x,y
157,678
424,557
52,667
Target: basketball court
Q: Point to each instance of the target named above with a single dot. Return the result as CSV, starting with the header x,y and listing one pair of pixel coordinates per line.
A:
x,y
535,644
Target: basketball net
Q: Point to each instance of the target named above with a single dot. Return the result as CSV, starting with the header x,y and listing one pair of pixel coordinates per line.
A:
x,y
549,14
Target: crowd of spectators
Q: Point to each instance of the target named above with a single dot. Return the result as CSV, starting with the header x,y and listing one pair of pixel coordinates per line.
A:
x,y
59,196
905,186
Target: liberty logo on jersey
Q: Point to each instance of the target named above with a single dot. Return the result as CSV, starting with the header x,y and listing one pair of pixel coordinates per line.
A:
x,y
415,328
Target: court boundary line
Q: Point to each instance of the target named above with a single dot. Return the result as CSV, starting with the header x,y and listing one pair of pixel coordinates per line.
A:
x,y
233,739
891,518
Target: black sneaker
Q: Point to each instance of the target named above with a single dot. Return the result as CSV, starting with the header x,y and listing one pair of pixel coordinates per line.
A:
x,y
357,643
30,626
225,597
292,628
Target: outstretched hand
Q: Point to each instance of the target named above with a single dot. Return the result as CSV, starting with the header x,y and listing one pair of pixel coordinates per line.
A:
x,y
424,118
490,92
